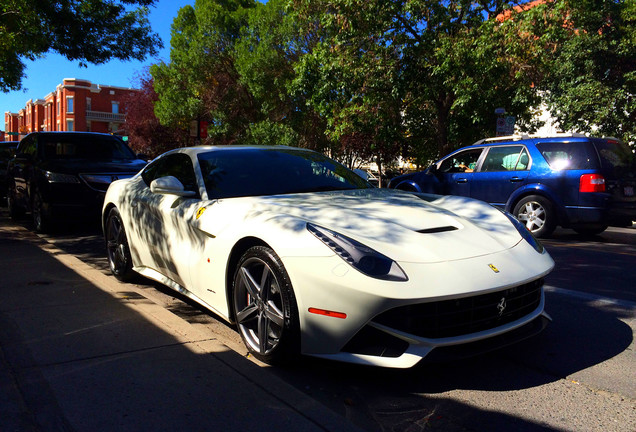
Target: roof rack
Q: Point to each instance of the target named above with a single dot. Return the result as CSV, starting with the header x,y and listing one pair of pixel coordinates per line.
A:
x,y
527,136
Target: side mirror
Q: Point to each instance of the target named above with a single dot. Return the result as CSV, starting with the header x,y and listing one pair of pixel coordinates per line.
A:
x,y
169,185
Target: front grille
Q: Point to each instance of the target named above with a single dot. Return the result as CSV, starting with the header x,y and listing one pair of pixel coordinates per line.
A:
x,y
448,318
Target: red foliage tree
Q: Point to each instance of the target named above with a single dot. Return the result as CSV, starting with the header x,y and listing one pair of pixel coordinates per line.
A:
x,y
145,134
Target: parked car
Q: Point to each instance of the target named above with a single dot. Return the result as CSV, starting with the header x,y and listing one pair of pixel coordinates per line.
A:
x,y
59,175
571,181
7,151
312,259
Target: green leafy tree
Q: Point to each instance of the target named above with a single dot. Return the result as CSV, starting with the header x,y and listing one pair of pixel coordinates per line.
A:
x,y
422,76
201,81
91,31
265,54
590,81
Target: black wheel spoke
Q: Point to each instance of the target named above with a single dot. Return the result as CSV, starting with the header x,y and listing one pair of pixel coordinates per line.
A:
x,y
274,315
247,314
253,289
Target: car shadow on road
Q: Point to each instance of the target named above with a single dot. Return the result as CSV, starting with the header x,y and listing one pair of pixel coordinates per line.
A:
x,y
582,335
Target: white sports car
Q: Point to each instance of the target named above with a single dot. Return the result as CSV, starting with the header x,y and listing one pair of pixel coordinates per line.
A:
x,y
308,258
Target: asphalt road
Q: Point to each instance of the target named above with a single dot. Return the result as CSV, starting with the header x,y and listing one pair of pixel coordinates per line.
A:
x,y
578,375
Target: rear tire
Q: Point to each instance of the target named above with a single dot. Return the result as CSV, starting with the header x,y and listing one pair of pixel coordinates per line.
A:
x,y
265,307
590,230
537,214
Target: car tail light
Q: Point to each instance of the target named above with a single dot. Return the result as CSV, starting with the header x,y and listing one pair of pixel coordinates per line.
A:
x,y
592,183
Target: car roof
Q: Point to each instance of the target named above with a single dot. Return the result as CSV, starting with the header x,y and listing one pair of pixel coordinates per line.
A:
x,y
232,148
72,133
565,137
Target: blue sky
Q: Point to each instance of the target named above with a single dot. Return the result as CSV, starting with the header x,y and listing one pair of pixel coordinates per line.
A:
x,y
43,75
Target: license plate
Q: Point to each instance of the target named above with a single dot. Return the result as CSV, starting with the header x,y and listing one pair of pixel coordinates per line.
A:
x,y
628,191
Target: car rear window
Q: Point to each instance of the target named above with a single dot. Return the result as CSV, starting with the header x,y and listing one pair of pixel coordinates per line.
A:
x,y
103,148
576,155
613,154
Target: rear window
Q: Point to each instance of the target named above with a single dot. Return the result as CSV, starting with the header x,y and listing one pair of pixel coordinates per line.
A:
x,y
613,154
96,147
569,155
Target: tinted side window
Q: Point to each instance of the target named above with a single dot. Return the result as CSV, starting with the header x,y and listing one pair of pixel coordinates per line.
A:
x,y
506,158
178,165
464,161
569,155
28,146
81,146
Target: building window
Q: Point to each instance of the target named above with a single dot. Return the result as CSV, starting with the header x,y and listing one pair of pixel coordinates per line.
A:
x,y
89,105
58,108
69,125
88,126
69,104
115,107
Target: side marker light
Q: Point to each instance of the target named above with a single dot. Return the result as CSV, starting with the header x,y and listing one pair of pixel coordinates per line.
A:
x,y
328,313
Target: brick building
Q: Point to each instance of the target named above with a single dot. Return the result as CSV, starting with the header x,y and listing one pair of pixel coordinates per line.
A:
x,y
75,105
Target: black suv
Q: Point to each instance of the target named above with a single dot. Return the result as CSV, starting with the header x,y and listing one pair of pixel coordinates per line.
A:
x,y
58,175
7,151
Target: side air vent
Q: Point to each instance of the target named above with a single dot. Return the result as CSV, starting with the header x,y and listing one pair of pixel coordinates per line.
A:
x,y
437,230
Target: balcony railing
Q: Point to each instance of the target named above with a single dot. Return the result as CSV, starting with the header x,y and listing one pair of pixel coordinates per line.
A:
x,y
105,116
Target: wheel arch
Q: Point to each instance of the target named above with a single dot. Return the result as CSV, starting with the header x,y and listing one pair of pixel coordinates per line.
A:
x,y
542,191
409,186
105,213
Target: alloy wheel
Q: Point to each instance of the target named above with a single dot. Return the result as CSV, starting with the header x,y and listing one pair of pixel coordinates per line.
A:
x,y
259,306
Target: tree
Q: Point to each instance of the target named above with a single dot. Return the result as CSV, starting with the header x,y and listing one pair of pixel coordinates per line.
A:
x,y
145,134
265,54
92,31
422,75
590,84
201,81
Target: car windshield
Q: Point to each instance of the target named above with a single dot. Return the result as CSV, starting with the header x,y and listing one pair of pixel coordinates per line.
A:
x,y
93,147
254,172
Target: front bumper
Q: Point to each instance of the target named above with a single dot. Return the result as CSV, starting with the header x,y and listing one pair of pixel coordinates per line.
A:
x,y
365,337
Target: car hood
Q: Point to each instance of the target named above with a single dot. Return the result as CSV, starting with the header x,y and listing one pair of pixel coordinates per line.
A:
x,y
88,166
404,226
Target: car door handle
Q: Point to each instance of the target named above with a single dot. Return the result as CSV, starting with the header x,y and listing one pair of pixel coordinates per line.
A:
x,y
516,179
462,180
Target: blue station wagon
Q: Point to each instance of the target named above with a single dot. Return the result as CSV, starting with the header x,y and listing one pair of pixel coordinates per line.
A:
x,y
571,181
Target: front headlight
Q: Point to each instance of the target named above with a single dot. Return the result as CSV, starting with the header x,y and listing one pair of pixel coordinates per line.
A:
x,y
359,256
527,235
52,177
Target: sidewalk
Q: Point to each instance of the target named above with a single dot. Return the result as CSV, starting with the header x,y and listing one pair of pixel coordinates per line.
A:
x,y
80,351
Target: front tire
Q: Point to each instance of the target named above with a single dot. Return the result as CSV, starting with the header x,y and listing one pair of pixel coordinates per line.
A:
x,y
15,212
42,222
119,258
265,306
537,214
